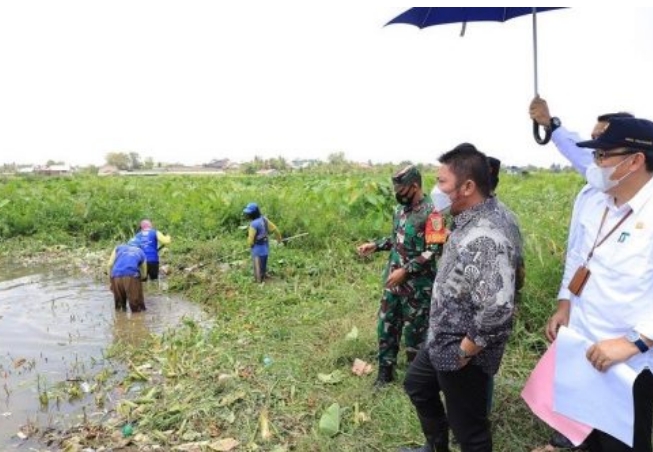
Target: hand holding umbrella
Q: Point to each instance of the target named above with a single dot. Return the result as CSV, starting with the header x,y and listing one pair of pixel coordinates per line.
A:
x,y
423,17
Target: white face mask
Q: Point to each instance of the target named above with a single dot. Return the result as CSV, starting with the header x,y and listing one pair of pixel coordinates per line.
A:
x,y
441,200
599,177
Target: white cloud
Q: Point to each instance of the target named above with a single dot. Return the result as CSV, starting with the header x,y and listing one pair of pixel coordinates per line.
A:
x,y
193,81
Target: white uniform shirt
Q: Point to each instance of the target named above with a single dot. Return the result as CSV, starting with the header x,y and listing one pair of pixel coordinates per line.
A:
x,y
618,296
572,241
580,158
565,141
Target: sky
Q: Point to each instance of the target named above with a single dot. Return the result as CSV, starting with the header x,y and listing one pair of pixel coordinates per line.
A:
x,y
194,81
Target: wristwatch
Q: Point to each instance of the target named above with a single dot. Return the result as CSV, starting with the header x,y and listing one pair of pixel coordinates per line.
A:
x,y
636,339
554,123
463,354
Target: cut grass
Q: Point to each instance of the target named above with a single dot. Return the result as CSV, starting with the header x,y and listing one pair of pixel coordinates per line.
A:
x,y
214,383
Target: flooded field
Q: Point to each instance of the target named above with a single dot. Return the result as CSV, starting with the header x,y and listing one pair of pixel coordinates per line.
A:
x,y
54,332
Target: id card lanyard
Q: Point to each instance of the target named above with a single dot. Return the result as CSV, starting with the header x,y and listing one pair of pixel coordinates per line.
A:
x,y
598,243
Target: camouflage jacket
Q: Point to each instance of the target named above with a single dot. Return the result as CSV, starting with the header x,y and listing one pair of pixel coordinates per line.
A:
x,y
407,245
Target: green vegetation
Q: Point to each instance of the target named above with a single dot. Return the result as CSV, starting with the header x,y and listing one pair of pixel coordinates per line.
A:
x,y
253,374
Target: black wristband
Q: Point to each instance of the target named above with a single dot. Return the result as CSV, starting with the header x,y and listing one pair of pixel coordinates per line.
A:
x,y
641,345
554,123
636,339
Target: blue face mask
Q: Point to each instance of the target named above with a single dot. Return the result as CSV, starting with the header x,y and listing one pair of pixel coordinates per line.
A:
x,y
441,201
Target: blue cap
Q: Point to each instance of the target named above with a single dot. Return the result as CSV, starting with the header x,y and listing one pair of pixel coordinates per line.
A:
x,y
633,133
250,208
134,242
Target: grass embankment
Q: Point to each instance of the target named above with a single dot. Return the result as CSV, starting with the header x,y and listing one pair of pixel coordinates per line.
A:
x,y
253,376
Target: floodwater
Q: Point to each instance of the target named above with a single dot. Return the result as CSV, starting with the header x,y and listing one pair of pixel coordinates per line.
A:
x,y
55,329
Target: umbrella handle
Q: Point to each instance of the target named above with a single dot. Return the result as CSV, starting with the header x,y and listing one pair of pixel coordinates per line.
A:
x,y
538,138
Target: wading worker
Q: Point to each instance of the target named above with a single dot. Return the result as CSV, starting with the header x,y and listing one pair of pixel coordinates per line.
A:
x,y
151,241
408,276
127,269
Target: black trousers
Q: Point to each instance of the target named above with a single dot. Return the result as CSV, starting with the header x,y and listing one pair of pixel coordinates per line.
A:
x,y
599,441
466,394
153,270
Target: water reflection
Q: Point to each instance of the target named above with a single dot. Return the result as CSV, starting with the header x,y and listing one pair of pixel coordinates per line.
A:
x,y
130,328
55,329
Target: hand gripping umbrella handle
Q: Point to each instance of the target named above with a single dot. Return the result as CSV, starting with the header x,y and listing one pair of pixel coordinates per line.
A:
x,y
536,126
536,134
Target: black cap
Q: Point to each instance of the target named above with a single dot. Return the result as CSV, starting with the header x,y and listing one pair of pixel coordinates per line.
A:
x,y
406,176
631,133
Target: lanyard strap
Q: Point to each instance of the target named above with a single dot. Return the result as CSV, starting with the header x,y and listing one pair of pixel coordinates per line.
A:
x,y
598,243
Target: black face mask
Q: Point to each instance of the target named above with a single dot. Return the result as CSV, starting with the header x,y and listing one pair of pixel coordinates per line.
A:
x,y
404,200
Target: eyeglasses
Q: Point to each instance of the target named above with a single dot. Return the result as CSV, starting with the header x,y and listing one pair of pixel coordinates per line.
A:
x,y
601,154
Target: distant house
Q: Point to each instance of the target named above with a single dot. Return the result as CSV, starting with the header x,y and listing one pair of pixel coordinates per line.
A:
x,y
25,170
303,163
218,164
55,170
514,170
267,172
108,170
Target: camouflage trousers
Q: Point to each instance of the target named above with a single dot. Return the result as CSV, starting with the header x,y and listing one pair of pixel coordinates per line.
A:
x,y
404,311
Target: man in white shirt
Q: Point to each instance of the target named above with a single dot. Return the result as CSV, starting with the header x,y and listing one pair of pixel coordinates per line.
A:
x,y
580,158
609,267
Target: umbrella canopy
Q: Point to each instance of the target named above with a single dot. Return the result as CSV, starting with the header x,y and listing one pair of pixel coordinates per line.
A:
x,y
423,17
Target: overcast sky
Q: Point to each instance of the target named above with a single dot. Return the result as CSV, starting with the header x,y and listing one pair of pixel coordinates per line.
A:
x,y
196,80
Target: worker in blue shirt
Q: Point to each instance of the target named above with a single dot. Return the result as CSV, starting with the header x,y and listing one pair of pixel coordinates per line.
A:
x,y
127,269
151,241
258,234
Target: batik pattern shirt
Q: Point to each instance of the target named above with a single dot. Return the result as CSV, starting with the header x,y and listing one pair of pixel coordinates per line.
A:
x,y
474,290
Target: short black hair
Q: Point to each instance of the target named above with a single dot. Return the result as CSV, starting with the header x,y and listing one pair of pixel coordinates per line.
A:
x,y
607,117
495,167
468,163
648,156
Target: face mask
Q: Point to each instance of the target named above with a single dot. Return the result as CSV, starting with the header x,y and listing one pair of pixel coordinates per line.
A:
x,y
599,177
404,200
441,200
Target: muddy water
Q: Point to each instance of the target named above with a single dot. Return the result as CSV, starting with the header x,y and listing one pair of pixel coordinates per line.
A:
x,y
55,329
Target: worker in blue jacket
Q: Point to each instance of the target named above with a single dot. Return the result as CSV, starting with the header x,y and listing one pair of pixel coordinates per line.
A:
x,y
127,270
151,241
258,234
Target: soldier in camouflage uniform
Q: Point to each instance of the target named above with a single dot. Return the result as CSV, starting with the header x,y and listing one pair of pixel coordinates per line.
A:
x,y
409,274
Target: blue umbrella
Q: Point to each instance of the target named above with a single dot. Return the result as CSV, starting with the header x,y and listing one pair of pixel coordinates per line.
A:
x,y
423,17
